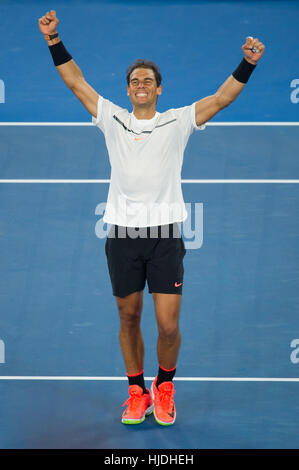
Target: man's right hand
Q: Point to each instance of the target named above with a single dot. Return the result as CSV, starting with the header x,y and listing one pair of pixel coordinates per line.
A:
x,y
70,72
48,23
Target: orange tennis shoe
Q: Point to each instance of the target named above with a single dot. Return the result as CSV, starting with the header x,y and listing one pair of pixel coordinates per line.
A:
x,y
164,409
139,405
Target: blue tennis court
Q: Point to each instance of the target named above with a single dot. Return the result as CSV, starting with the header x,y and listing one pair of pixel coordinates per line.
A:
x,y
62,376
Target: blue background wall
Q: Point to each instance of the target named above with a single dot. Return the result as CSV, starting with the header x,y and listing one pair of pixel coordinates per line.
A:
x,y
197,45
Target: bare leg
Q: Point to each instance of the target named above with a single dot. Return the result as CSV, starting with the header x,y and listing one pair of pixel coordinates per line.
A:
x,y
130,336
167,307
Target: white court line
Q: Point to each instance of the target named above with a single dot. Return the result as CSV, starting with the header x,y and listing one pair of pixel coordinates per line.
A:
x,y
243,123
182,379
252,123
244,181
46,124
56,181
193,181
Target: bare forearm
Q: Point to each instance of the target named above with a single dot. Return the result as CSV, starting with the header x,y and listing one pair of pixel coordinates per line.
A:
x,y
65,65
235,83
229,91
69,72
208,107
253,50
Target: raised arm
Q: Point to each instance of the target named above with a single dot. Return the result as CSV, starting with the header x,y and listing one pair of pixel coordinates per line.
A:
x,y
207,107
68,69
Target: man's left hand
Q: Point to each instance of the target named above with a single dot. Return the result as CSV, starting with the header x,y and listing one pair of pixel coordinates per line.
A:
x,y
250,55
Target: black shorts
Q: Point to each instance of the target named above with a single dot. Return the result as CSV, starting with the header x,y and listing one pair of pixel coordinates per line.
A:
x,y
155,255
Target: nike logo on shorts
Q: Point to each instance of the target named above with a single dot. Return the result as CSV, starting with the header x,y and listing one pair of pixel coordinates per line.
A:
x,y
176,284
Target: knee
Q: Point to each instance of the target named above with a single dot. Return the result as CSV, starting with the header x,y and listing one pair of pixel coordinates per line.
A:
x,y
129,310
169,332
129,317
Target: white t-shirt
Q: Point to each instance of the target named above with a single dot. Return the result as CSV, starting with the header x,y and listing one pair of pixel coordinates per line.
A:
x,y
146,157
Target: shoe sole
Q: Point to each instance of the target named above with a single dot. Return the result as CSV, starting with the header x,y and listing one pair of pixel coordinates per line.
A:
x,y
162,423
148,412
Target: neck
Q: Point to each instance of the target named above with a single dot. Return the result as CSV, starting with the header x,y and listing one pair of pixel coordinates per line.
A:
x,y
144,112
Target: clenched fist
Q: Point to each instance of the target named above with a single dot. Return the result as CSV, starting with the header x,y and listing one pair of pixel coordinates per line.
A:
x,y
48,23
253,49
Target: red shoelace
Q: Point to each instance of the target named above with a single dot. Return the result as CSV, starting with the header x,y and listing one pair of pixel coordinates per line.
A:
x,y
134,399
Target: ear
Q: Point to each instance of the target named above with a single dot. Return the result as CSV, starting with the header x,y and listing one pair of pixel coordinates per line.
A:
x,y
159,90
128,92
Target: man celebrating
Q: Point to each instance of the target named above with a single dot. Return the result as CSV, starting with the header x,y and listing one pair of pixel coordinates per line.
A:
x,y
145,206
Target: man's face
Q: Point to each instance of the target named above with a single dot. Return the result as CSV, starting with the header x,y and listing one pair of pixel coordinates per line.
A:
x,y
143,89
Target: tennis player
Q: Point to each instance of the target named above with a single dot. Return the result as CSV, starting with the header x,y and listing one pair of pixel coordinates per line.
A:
x,y
145,207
